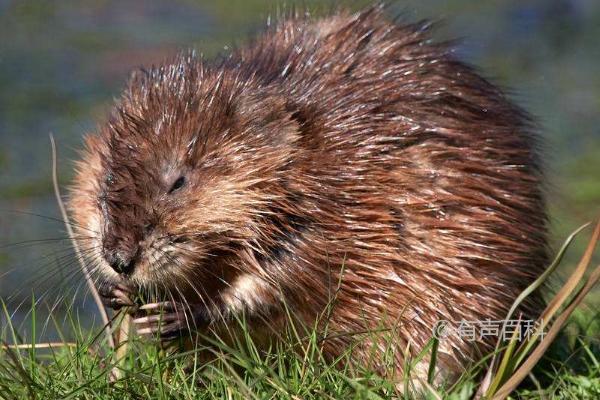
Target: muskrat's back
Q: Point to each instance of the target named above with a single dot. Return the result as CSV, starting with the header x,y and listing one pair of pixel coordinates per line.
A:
x,y
399,175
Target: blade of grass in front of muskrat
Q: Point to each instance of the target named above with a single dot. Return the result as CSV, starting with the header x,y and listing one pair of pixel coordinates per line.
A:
x,y
539,351
489,378
568,288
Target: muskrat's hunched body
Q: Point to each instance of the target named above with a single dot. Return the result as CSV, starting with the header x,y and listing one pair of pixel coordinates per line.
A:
x,y
348,151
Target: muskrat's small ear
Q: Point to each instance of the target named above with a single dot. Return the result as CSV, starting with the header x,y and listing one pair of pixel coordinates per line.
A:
x,y
270,114
306,115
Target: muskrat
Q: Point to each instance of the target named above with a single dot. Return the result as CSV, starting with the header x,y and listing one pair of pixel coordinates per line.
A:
x,y
347,157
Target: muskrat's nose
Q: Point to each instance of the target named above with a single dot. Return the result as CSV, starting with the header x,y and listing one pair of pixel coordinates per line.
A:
x,y
121,263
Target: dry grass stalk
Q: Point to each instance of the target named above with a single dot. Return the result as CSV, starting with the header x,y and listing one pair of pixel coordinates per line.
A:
x,y
84,269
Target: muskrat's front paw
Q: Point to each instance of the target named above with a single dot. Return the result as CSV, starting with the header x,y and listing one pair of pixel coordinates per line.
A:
x,y
115,295
165,321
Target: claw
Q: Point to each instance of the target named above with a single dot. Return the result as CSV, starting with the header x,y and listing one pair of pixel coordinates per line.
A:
x,y
169,320
166,321
116,295
162,306
163,330
125,288
157,318
122,297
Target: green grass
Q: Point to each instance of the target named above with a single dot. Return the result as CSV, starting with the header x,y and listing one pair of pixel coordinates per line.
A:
x,y
83,366
288,371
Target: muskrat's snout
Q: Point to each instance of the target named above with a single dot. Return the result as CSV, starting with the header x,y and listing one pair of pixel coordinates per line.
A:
x,y
122,240
122,259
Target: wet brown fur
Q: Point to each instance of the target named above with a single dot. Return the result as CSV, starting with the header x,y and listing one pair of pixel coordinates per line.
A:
x,y
348,149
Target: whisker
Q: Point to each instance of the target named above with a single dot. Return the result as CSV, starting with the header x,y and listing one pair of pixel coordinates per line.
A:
x,y
34,242
49,218
43,271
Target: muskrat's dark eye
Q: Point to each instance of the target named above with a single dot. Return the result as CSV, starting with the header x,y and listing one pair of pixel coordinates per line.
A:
x,y
178,184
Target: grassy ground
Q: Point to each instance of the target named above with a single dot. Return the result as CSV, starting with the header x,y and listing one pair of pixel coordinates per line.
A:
x,y
85,369
564,365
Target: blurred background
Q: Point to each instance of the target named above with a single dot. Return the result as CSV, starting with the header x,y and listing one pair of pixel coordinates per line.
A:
x,y
62,64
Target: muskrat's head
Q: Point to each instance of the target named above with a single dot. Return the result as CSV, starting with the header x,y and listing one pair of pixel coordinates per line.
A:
x,y
181,181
